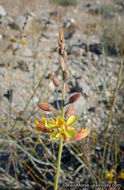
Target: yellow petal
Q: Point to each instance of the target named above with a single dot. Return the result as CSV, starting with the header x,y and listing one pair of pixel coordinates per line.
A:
x,y
23,43
50,125
55,135
44,119
72,119
121,176
70,133
59,121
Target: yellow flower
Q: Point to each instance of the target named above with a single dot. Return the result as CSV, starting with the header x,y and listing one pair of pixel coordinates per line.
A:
x,y
23,43
63,128
121,176
110,174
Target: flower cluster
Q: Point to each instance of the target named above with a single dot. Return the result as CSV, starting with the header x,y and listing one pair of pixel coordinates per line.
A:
x,y
59,128
62,126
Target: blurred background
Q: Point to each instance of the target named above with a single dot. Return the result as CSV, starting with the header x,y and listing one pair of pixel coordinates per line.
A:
x,y
94,41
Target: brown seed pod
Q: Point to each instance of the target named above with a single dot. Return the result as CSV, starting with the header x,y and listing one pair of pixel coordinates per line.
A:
x,y
56,81
66,74
64,55
45,107
74,98
61,37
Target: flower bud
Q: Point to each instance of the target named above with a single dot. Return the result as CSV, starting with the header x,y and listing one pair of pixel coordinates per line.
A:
x,y
81,135
61,37
40,126
45,107
61,61
12,39
64,55
56,81
66,74
23,43
74,98
69,111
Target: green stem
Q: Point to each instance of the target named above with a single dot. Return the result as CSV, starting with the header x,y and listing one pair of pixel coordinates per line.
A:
x,y
58,164
60,143
110,118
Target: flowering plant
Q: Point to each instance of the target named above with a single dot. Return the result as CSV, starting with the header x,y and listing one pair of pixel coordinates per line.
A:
x,y
61,128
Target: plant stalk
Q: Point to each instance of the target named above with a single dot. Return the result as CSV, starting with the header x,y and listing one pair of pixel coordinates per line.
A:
x,y
60,143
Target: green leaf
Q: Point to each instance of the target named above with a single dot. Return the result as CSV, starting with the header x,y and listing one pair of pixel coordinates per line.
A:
x,y
72,119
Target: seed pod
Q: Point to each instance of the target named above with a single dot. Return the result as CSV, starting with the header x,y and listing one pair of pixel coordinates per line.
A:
x,y
66,74
74,98
56,81
61,37
45,107
64,55
69,111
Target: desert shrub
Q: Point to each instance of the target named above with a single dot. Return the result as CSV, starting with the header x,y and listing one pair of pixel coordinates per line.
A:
x,y
65,2
113,36
105,9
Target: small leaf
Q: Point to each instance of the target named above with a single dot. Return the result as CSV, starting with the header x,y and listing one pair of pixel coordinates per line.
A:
x,y
72,119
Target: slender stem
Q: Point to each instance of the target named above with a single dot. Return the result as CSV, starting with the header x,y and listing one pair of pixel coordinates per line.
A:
x,y
58,164
110,118
63,94
60,143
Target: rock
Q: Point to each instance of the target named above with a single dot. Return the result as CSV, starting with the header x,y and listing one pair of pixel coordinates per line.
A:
x,y
9,95
46,21
25,51
1,37
18,23
54,13
2,12
93,9
21,21
75,50
69,35
23,66
69,23
6,20
34,100
95,48
80,106
91,109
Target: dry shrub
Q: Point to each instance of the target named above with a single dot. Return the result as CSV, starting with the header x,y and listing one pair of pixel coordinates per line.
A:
x,y
113,36
65,2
